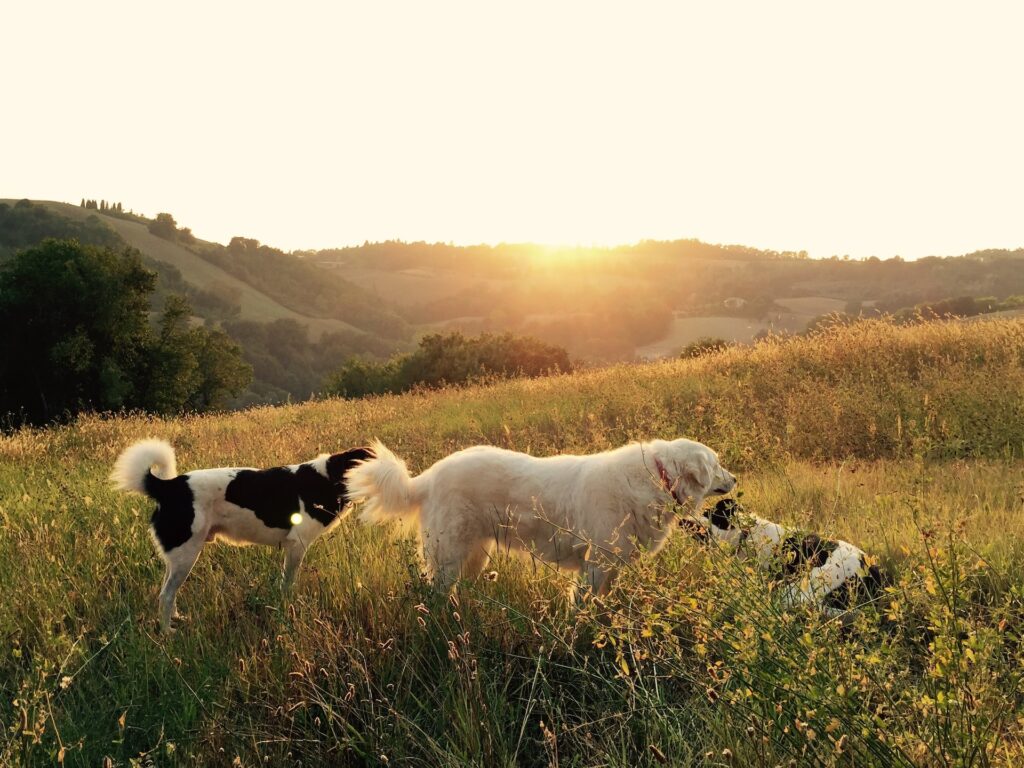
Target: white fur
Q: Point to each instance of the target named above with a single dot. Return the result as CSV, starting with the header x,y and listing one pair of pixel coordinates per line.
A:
x,y
762,540
132,465
584,513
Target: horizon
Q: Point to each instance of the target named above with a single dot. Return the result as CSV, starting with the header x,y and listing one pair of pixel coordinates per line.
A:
x,y
554,247
870,132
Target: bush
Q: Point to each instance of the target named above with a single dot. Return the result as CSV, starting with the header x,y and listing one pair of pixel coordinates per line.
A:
x,y
705,345
450,359
164,226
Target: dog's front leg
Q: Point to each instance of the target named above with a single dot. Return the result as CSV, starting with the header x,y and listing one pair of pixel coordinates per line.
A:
x,y
294,551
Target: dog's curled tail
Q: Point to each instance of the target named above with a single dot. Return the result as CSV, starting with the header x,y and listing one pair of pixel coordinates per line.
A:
x,y
384,486
136,463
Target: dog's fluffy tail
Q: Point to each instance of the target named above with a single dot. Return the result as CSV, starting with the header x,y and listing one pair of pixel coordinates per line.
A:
x,y
134,467
384,486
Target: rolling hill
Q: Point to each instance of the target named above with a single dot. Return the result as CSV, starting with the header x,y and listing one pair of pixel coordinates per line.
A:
x,y
604,305
254,304
697,289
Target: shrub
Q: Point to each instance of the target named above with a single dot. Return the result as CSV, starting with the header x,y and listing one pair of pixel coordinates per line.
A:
x,y
450,359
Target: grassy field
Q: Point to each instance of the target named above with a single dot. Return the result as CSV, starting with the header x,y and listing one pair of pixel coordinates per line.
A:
x,y
907,441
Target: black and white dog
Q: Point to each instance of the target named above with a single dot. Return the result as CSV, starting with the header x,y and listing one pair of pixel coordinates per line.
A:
x,y
288,507
830,573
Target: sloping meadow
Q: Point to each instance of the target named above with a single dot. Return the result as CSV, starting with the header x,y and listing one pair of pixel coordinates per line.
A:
x,y
905,440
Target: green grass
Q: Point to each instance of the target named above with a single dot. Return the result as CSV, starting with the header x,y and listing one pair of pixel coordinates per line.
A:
x,y
907,441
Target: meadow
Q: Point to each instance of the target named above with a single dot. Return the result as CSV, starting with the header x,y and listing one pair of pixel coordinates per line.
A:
x,y
905,440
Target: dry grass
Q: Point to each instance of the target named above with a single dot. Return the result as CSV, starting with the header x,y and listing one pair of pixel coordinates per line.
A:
x,y
904,440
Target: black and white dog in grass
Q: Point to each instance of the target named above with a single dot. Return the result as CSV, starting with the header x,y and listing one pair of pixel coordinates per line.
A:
x,y
287,507
830,573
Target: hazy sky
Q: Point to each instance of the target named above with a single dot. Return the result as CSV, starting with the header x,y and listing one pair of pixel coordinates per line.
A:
x,y
851,128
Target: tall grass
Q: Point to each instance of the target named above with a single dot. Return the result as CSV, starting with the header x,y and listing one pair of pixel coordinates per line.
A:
x,y
904,440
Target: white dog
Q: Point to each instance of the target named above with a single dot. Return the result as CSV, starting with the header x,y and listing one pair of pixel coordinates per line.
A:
x,y
585,513
832,574
287,507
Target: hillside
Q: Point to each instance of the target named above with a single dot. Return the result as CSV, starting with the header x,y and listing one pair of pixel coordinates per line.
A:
x,y
653,298
905,440
253,293
647,300
253,304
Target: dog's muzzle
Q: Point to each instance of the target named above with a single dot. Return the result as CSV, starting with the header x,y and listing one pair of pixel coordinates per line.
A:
x,y
727,487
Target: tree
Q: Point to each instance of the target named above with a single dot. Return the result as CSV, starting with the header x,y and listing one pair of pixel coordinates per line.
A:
x,y
75,332
77,337
192,368
164,226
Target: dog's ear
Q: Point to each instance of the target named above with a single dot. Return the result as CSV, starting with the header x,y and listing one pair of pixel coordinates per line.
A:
x,y
340,463
695,476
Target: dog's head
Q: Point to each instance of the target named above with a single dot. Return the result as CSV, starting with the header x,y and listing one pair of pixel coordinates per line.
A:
x,y
719,523
691,470
340,463
723,516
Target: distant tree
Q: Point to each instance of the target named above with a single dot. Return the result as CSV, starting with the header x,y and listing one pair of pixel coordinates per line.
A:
x,y
185,236
164,226
26,224
82,204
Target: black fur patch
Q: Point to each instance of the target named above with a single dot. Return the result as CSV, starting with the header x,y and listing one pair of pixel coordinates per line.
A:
x,y
857,590
340,463
272,494
174,513
809,552
723,513
319,495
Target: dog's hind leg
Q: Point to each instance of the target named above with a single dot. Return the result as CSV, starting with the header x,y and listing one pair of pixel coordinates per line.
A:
x,y
294,551
477,558
179,564
451,560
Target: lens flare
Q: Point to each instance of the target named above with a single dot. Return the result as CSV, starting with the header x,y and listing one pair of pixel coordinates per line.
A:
x,y
296,518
